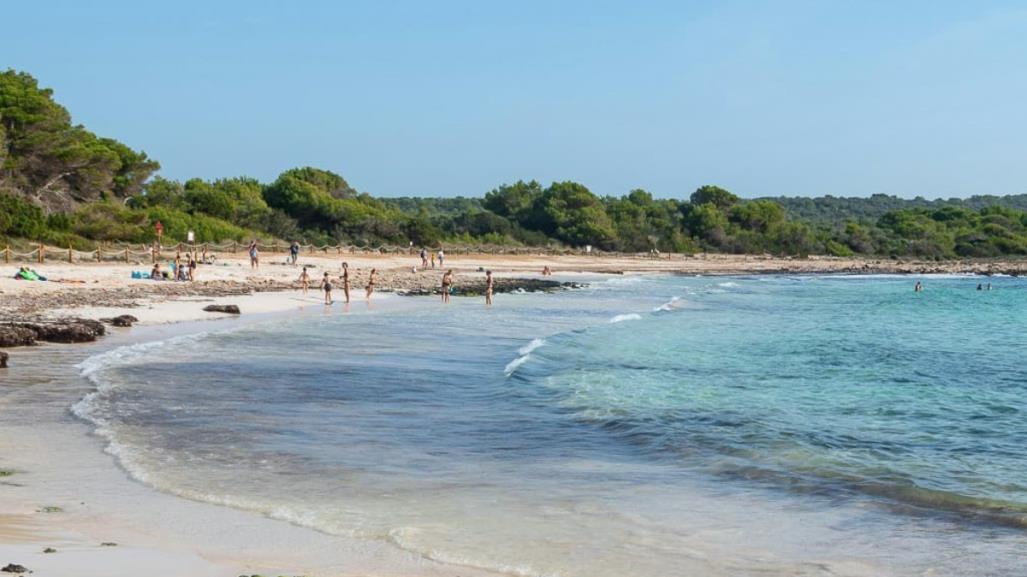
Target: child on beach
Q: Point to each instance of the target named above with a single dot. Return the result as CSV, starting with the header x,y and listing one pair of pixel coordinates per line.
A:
x,y
326,286
305,280
447,283
489,285
371,280
345,281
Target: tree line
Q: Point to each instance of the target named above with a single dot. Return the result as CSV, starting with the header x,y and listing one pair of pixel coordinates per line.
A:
x,y
62,184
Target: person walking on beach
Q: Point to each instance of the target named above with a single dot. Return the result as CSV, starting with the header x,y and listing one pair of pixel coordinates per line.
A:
x,y
294,252
489,286
433,260
254,255
442,258
326,286
345,281
424,258
371,281
305,280
447,285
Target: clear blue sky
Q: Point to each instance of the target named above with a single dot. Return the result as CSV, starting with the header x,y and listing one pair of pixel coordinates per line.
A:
x,y
453,98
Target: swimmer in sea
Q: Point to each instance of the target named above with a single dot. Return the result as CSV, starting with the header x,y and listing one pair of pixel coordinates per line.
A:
x,y
918,288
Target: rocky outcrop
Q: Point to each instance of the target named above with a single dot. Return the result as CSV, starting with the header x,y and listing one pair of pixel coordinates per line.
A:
x,y
15,336
14,568
121,320
230,309
464,287
19,334
67,330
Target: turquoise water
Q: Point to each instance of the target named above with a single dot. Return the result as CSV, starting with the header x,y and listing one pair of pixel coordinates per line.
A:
x,y
660,425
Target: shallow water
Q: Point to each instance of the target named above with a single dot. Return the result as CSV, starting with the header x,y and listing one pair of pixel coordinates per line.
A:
x,y
643,426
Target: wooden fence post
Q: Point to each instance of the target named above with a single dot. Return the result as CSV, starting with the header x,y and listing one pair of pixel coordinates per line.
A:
x,y
98,248
71,256
7,255
42,253
126,254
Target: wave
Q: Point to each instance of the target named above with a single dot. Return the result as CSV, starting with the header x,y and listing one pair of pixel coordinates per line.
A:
x,y
728,284
626,317
524,354
673,304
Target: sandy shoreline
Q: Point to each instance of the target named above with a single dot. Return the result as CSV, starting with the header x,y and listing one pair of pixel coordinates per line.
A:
x,y
59,463
85,288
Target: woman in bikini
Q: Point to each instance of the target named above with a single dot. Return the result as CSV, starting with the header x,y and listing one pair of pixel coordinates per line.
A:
x,y
447,283
371,282
305,280
345,281
489,285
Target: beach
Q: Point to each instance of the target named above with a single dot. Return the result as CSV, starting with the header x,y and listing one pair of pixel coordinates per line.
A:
x,y
74,490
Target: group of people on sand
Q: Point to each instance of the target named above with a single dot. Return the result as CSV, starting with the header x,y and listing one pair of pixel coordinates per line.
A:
x,y
441,254
182,269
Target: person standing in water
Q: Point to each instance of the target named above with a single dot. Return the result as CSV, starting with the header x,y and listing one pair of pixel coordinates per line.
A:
x,y
489,286
918,288
371,281
345,281
305,280
447,283
326,286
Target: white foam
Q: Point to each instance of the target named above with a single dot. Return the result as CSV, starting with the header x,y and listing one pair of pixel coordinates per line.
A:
x,y
728,284
627,317
672,304
525,354
534,344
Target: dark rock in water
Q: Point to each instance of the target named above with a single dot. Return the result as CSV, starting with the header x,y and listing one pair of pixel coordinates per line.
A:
x,y
49,550
230,309
3,360
476,287
14,568
66,330
108,544
16,336
121,320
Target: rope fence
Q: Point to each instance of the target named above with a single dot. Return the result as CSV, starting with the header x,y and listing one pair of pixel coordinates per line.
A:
x,y
124,252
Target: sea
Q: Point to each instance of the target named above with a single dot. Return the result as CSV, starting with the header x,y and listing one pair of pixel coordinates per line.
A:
x,y
645,425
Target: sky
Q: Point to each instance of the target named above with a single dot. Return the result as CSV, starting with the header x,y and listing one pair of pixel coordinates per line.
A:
x,y
449,98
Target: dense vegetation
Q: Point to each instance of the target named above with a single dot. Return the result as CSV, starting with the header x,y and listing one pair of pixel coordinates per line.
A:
x,y
62,184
